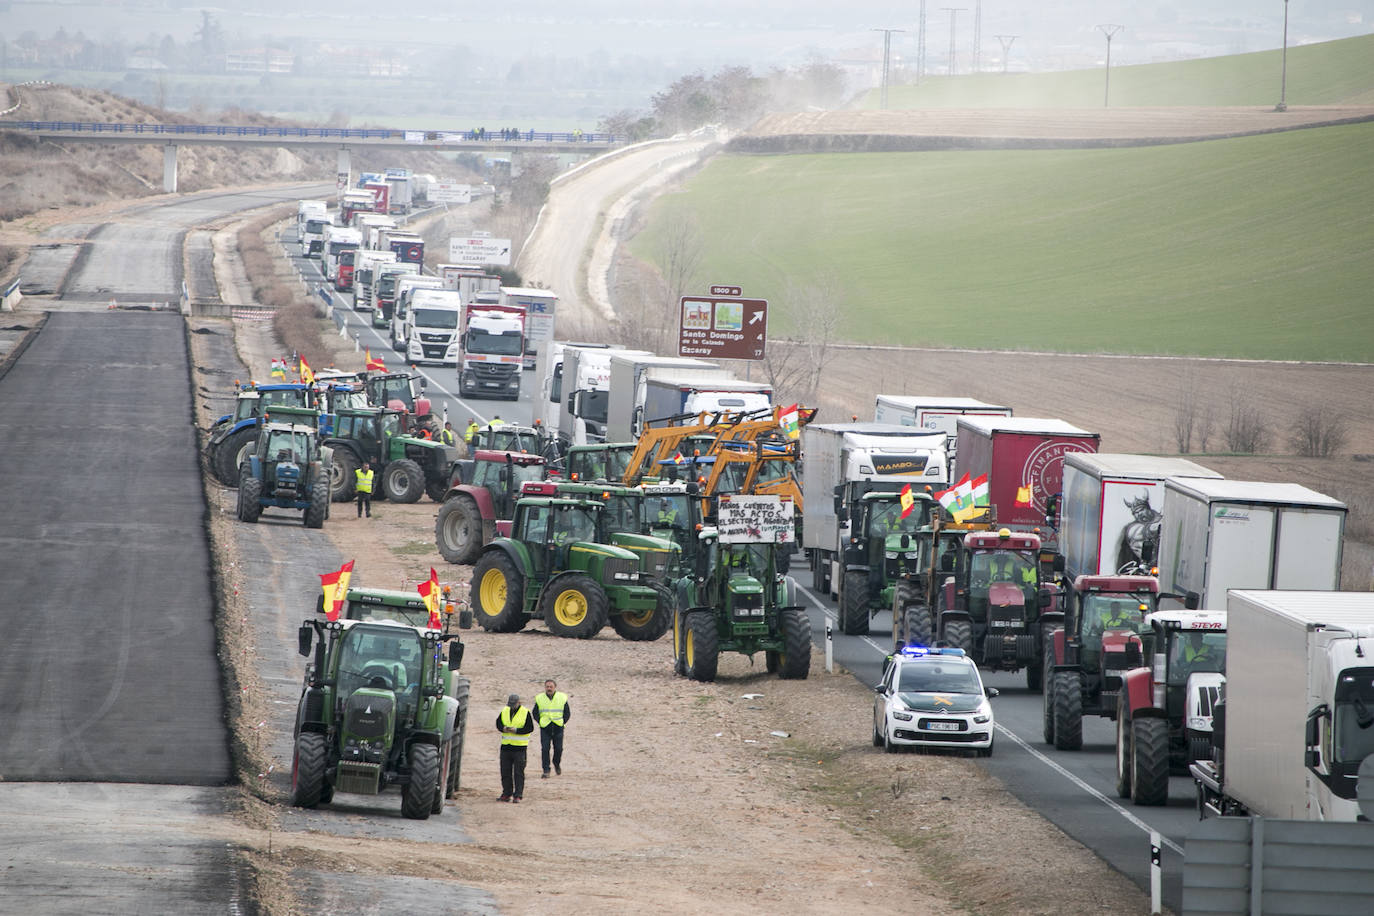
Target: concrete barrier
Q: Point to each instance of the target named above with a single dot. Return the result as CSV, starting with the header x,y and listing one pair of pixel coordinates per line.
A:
x,y
11,296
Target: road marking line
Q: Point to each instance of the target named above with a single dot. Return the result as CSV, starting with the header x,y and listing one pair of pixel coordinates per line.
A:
x,y
826,611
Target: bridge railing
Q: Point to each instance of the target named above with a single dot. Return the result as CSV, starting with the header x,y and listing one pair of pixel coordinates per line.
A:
x,y
322,133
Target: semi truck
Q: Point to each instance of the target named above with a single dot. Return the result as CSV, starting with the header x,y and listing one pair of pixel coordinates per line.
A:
x,y
408,247
384,279
469,281
842,462
402,190
935,413
366,262
586,393
432,327
354,202
1110,511
548,371
669,396
1294,734
493,351
309,212
1023,458
406,284
337,240
625,417
1223,534
541,307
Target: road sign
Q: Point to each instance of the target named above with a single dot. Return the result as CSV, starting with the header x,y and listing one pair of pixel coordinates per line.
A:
x,y
449,192
479,251
723,327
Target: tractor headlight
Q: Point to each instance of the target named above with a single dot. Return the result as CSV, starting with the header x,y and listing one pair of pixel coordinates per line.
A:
x,y
912,555
891,554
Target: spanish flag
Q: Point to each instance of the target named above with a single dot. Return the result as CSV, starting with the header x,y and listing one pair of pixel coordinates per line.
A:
x,y
376,364
907,500
429,591
306,375
335,587
1023,496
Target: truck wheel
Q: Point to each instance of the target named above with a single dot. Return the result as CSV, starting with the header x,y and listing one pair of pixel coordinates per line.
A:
x,y
318,510
701,648
307,770
575,607
959,634
403,481
458,529
854,604
342,478
643,626
230,454
1068,711
417,796
679,641
1123,748
250,498
1150,761
498,593
462,689
794,662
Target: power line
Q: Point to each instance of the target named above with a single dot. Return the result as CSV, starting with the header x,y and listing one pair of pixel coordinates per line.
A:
x,y
887,55
954,12
1006,42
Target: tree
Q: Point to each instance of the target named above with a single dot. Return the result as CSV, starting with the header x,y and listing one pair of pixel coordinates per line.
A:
x,y
1318,433
210,34
813,308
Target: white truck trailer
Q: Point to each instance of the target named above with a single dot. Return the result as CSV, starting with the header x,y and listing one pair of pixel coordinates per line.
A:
x,y
934,413
625,405
541,306
1296,727
665,396
1223,534
586,392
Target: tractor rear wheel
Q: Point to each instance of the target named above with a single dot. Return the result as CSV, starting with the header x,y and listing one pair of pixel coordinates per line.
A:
x,y
342,476
701,649
575,607
905,599
462,689
318,510
1123,748
1150,761
919,627
794,662
307,770
643,626
250,499
458,529
498,593
230,453
403,481
854,604
436,489
417,796
1068,710
959,634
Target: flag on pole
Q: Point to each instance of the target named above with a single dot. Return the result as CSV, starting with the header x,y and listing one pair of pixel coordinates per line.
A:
x,y
958,498
981,497
790,421
907,500
1023,496
279,368
375,364
335,587
429,591
306,375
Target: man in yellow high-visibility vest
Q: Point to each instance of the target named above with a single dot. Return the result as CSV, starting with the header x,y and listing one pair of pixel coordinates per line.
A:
x,y
362,488
553,711
515,723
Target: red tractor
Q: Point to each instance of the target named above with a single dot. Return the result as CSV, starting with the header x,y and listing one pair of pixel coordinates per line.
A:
x,y
1087,656
481,496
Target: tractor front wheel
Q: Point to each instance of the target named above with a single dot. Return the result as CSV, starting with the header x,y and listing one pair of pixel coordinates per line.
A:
x,y
250,499
701,649
462,689
1123,748
1068,711
403,481
643,626
342,476
318,510
458,530
1150,761
679,644
919,627
854,604
794,662
307,770
959,634
436,805
417,796
498,593
575,607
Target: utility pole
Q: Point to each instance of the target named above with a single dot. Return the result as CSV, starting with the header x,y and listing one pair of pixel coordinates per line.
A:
x,y
977,36
1110,31
954,12
887,56
1006,42
921,45
1283,78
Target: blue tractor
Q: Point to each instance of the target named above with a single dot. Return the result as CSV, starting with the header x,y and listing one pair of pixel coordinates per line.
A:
x,y
233,435
287,469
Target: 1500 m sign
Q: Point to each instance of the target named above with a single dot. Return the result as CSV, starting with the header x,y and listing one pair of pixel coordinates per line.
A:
x,y
723,326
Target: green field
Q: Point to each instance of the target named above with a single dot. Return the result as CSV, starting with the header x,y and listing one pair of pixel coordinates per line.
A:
x,y
1253,247
1329,73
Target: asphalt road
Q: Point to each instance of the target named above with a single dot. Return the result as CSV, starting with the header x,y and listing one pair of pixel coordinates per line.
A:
x,y
109,667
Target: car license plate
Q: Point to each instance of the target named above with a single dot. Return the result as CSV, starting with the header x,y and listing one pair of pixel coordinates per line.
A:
x,y
943,726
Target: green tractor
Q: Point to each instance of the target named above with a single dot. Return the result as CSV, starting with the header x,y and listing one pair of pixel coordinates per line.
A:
x,y
555,566
737,598
917,593
287,469
408,466
884,549
604,461
378,709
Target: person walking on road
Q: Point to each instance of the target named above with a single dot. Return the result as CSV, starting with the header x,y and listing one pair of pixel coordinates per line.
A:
x,y
362,487
515,723
553,711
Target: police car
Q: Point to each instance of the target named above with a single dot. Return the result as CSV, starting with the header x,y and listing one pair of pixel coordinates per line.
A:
x,y
932,698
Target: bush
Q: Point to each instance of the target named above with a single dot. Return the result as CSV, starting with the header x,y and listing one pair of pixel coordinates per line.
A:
x,y
1319,433
1247,431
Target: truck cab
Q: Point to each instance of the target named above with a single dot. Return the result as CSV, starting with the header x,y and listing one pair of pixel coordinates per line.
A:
x,y
338,240
433,325
492,352
406,284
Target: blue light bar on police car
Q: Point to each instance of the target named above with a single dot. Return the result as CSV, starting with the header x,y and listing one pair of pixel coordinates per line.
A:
x,y
922,651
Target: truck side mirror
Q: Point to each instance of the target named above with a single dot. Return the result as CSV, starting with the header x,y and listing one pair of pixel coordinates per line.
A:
x,y
1046,599
455,655
465,619
1192,601
304,635
1058,563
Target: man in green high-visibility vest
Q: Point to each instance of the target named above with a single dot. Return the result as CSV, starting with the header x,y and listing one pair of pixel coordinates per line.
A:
x,y
515,723
553,711
362,488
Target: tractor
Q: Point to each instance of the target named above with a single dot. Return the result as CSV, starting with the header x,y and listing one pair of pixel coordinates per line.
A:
x,y
1165,709
1086,657
884,547
402,391
917,591
233,436
736,597
378,710
408,466
286,470
991,607
552,567
604,461
481,497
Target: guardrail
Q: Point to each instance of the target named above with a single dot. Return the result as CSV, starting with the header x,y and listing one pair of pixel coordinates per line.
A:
x,y
10,297
315,133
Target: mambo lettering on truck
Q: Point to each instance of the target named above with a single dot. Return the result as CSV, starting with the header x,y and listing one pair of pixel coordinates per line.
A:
x,y
755,520
899,464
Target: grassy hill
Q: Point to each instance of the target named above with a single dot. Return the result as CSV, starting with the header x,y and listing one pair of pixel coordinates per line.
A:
x,y
1252,247
1328,73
